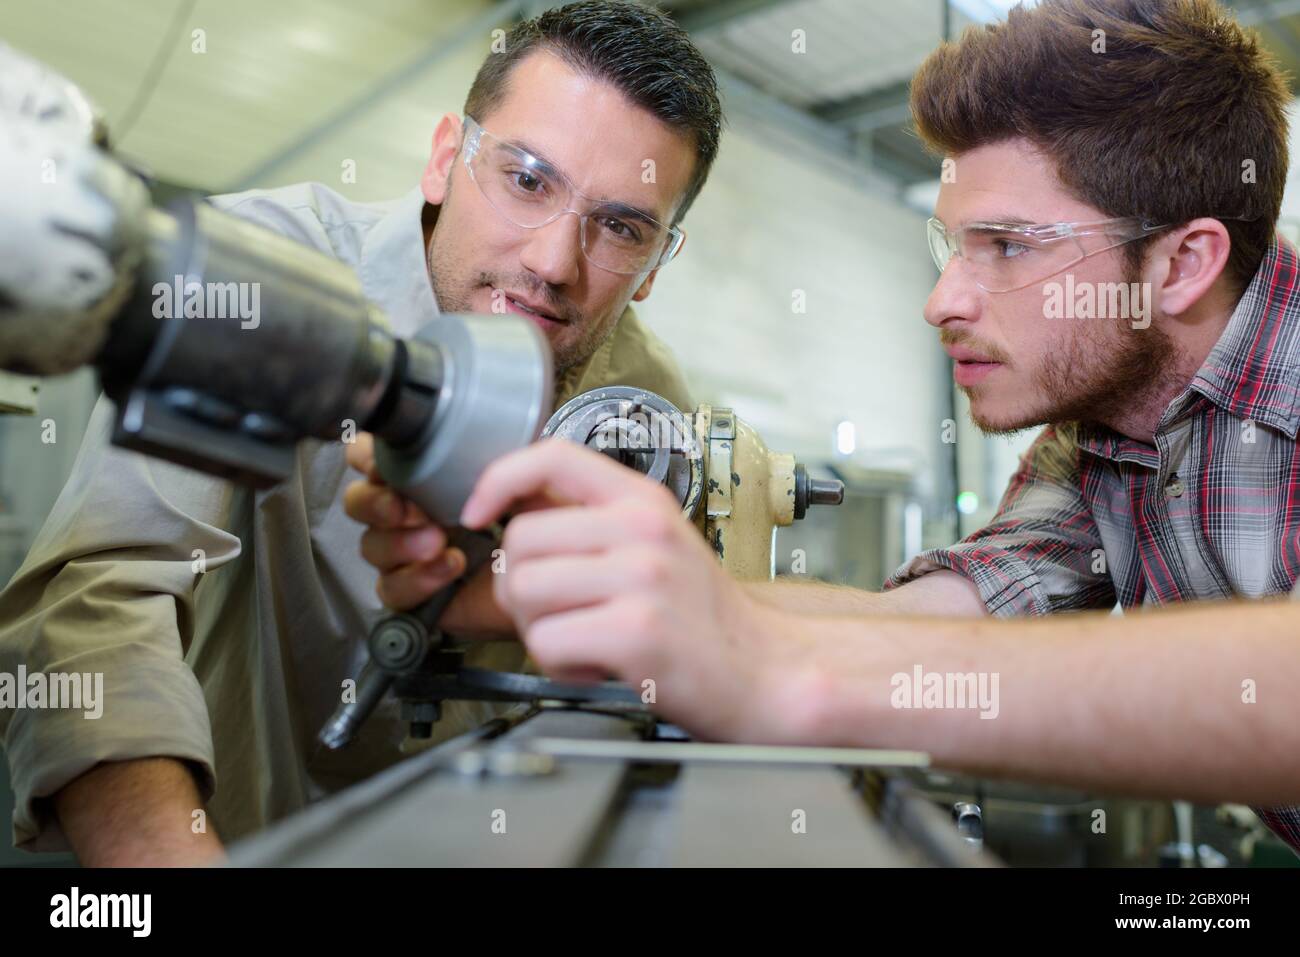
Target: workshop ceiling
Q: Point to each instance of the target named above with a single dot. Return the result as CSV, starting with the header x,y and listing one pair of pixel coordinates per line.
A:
x,y
274,77
862,53
281,80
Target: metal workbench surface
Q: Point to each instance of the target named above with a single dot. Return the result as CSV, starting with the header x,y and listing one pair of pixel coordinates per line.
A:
x,y
563,786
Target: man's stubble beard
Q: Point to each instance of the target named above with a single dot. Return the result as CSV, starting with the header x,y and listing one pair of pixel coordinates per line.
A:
x,y
1105,371
455,298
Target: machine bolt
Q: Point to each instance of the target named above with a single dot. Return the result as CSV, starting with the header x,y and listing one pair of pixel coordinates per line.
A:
x,y
970,822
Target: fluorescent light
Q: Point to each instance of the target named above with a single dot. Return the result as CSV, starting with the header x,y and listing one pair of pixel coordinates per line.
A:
x,y
846,439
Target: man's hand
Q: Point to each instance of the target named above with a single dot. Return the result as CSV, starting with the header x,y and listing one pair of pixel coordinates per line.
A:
x,y
412,554
604,576
409,550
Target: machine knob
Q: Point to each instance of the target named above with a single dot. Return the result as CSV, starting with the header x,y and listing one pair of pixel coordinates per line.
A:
x,y
811,491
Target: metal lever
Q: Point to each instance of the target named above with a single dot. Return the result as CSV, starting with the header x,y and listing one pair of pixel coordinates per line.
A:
x,y
401,641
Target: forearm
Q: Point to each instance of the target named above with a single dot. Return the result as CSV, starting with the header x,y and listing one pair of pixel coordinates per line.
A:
x,y
137,813
938,593
1153,703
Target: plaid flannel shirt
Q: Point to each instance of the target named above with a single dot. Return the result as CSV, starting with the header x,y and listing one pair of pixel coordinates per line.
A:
x,y
1092,517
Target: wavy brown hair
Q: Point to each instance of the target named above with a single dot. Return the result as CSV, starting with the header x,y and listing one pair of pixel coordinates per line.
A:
x,y
1156,120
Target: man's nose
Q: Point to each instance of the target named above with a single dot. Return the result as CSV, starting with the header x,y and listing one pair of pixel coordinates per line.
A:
x,y
955,296
552,251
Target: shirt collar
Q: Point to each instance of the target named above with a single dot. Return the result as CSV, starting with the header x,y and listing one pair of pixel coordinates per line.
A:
x,y
394,267
1252,370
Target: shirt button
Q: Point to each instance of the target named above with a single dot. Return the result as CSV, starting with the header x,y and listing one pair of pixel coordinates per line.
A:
x,y
1174,487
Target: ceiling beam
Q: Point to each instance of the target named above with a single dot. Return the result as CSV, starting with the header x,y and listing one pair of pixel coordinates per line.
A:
x,y
831,146
886,106
697,17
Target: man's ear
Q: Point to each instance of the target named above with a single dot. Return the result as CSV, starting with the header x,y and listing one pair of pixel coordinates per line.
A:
x,y
446,145
1188,261
644,289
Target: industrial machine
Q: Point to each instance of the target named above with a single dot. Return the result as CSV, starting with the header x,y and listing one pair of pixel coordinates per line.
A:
x,y
728,482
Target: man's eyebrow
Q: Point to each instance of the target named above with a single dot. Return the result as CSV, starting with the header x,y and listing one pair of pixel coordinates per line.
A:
x,y
1001,221
625,209
546,166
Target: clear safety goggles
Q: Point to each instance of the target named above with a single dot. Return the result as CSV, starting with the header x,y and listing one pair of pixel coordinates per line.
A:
x,y
531,193
1004,257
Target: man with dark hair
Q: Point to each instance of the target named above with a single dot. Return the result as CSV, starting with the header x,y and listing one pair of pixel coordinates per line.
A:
x,y
226,622
670,78
1089,144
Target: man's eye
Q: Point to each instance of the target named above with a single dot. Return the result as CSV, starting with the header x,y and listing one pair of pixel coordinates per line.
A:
x,y
525,180
619,228
1009,249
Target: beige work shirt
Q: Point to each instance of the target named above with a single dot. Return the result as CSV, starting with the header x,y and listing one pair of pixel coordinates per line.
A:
x,y
234,669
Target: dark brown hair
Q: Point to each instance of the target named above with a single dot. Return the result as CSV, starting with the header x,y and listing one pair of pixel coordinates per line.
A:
x,y
1159,125
639,50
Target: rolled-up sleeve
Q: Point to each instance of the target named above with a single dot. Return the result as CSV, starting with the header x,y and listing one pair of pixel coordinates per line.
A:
x,y
108,589
1042,552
